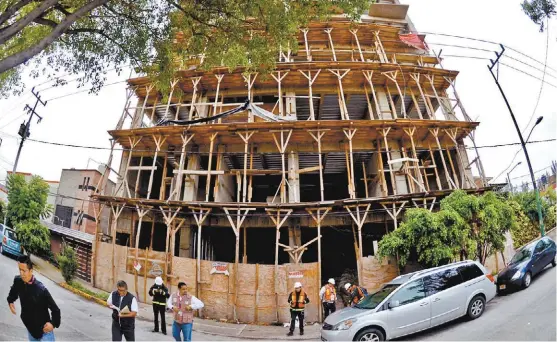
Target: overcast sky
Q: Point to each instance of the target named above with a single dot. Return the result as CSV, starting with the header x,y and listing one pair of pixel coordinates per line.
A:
x,y
84,119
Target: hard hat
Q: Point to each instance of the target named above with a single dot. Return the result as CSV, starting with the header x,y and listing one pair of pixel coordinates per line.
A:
x,y
332,281
297,285
158,281
347,286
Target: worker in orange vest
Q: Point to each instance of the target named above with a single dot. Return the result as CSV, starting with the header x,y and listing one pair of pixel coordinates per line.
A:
x,y
298,300
357,293
328,295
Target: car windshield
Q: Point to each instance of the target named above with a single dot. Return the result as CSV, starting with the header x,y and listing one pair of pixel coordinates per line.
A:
x,y
522,255
10,234
374,299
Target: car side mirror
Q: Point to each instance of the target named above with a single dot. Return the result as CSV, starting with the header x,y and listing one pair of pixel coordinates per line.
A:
x,y
394,304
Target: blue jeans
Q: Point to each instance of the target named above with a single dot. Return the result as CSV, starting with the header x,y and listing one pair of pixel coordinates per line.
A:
x,y
185,329
46,337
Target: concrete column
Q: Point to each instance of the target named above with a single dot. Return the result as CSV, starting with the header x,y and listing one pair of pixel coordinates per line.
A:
x,y
293,177
401,182
203,110
191,183
383,100
294,237
372,169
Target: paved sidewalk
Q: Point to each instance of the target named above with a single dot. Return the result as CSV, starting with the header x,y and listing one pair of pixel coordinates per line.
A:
x,y
204,326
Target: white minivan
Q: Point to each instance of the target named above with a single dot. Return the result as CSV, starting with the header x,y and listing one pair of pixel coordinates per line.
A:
x,y
414,302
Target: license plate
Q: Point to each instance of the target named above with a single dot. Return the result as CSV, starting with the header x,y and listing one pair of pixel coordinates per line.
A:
x,y
502,287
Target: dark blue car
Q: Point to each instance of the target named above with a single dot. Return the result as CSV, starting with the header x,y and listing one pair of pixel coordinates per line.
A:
x,y
9,244
526,263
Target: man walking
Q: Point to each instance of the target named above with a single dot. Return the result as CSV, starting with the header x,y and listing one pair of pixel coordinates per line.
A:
x,y
328,295
124,309
183,304
159,292
35,303
298,300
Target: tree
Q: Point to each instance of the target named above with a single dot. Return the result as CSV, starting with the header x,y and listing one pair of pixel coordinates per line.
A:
x,y
158,37
34,237
2,211
524,230
67,260
539,11
26,200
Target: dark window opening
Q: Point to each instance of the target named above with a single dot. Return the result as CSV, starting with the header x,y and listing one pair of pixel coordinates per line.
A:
x,y
63,216
122,239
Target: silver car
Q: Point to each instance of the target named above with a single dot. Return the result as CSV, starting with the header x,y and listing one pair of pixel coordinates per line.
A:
x,y
414,302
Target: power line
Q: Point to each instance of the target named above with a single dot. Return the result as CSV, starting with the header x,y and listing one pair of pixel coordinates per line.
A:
x,y
84,90
528,175
524,72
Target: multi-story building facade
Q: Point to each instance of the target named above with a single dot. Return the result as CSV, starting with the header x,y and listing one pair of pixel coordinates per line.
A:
x,y
241,200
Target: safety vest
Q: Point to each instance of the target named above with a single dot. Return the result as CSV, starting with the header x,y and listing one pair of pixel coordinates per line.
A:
x,y
360,295
330,294
301,301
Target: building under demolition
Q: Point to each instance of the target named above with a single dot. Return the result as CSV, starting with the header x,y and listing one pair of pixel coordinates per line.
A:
x,y
245,183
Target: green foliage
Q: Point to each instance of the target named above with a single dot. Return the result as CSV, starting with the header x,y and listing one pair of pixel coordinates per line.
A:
x,y
2,211
528,202
27,200
539,11
34,237
523,231
99,295
157,37
67,260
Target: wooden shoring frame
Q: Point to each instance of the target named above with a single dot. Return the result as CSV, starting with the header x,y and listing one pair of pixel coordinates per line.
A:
x,y
352,184
199,217
381,170
159,141
170,236
328,31
175,193
245,138
318,220
116,214
379,48
249,82
359,219
452,133
431,79
406,168
275,215
250,185
416,104
392,104
236,226
311,80
95,247
282,149
177,107
355,34
216,104
140,213
424,204
435,133
148,89
308,52
418,179
172,86
134,141
209,167
391,75
432,156
429,110
162,190
195,82
384,132
395,212
364,171
317,137
368,74
341,99
279,77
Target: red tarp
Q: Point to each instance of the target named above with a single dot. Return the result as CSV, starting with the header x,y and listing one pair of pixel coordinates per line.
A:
x,y
413,40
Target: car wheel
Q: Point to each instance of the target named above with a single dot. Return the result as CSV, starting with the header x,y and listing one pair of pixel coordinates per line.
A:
x,y
370,334
476,307
527,280
554,261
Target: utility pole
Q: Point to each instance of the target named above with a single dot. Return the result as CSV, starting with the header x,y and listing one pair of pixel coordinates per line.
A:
x,y
24,130
496,79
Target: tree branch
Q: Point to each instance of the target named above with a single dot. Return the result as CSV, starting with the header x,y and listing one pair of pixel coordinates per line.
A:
x,y
23,56
10,11
19,25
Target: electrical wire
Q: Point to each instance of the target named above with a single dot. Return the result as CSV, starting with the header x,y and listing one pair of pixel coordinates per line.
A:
x,y
535,172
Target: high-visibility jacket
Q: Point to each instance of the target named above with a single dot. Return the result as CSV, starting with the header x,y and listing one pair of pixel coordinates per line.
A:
x,y
328,294
298,300
357,294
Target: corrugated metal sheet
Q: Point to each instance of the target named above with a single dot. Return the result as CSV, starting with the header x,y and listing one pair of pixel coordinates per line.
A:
x,y
75,234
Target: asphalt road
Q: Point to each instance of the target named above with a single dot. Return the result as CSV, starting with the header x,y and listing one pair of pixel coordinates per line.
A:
x,y
81,320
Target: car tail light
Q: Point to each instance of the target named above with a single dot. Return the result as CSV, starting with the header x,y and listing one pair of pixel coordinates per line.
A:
x,y
491,278
5,240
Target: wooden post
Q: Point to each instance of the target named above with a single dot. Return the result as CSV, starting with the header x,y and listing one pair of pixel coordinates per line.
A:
x,y
395,212
249,81
435,133
145,275
282,149
317,137
199,219
368,74
255,307
359,219
140,213
416,105
116,212
148,89
384,132
342,101
381,169
365,178
452,134
311,80
215,105
168,220
308,52
410,132
133,143
354,33
328,31
172,86
152,233
159,141
245,137
439,187
195,81
175,194
208,185
429,110
350,134
392,76
279,79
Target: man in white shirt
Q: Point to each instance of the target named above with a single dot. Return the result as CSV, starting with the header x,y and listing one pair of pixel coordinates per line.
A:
x,y
124,309
183,305
328,295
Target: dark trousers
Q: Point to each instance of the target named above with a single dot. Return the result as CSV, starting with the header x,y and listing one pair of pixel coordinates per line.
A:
x,y
118,331
159,309
293,315
328,309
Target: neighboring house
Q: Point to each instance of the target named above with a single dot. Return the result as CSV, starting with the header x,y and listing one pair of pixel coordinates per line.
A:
x,y
52,191
73,208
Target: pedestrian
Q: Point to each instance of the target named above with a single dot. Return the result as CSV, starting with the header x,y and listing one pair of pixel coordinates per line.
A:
x,y
357,293
328,295
35,303
160,294
183,304
124,309
298,300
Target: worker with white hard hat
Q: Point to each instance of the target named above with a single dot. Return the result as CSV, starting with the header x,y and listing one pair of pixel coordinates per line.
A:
x,y
160,294
328,295
356,292
298,300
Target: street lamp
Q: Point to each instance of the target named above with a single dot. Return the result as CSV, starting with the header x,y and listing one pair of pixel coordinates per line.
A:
x,y
537,123
509,177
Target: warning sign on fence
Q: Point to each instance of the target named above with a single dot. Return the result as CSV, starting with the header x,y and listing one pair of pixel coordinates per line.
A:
x,y
220,267
295,274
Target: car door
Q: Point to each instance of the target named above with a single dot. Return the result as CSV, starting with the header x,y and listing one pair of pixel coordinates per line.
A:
x,y
447,301
414,310
547,253
537,258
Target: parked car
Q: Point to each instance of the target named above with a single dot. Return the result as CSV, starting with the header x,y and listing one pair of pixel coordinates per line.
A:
x,y
414,302
526,263
10,244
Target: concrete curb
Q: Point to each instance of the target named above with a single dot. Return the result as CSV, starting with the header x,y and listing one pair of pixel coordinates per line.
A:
x,y
83,294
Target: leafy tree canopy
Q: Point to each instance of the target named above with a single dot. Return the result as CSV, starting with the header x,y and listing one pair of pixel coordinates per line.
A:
x,y
157,37
34,237
27,200
539,11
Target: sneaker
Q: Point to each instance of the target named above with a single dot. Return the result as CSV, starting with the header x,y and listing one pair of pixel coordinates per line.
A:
x,y
290,333
164,332
154,331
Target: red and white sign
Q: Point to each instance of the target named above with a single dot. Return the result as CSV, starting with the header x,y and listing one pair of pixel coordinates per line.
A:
x,y
136,265
220,268
295,275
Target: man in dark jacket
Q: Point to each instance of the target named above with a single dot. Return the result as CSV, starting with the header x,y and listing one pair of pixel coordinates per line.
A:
x,y
124,309
298,300
160,294
35,303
